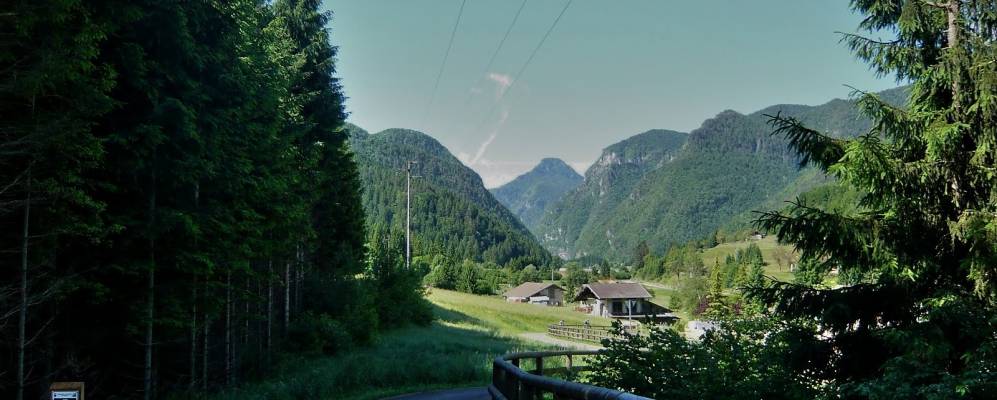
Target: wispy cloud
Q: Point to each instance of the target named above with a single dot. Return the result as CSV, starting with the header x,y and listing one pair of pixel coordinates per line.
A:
x,y
502,83
491,138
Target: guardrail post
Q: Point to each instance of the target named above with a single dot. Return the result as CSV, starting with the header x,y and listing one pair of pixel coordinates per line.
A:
x,y
525,391
514,383
569,363
540,366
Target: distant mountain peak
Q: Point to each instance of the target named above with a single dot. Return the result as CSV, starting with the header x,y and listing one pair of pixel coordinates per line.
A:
x,y
553,165
529,194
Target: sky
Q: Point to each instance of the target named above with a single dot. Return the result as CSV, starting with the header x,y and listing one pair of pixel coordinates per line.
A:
x,y
610,69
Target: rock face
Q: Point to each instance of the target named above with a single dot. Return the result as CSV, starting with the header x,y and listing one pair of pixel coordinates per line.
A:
x,y
529,195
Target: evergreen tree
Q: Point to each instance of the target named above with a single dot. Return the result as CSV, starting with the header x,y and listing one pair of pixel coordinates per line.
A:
x,y
640,252
52,85
921,325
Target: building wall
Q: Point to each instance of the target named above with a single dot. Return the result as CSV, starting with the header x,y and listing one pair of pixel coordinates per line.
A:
x,y
556,295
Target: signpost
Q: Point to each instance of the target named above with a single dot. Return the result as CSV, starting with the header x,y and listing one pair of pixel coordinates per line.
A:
x,y
66,391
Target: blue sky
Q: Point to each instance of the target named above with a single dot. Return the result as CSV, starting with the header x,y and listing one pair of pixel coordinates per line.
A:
x,y
609,70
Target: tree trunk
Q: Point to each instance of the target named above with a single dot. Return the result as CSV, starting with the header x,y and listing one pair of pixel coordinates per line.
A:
x,y
204,352
287,296
953,11
228,328
193,340
269,310
193,319
151,300
22,318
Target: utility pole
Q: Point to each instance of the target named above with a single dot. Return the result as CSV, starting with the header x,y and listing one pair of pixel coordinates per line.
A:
x,y
408,214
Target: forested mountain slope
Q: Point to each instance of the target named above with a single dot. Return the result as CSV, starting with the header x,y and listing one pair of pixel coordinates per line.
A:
x,y
607,182
529,195
728,167
452,212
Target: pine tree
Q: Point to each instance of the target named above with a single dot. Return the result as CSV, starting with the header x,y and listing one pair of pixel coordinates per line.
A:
x,y
921,324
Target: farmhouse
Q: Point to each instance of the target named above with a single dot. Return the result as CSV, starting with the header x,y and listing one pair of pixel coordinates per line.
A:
x,y
621,300
536,293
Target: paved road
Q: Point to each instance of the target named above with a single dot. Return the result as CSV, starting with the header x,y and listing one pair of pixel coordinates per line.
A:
x,y
546,339
478,393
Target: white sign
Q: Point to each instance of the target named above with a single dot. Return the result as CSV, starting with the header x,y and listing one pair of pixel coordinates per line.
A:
x,y
65,395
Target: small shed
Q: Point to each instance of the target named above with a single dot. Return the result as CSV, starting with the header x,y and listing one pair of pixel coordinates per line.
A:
x,y
548,294
622,300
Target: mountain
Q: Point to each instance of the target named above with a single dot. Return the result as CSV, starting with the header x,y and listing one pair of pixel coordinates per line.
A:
x,y
529,194
607,183
452,212
725,169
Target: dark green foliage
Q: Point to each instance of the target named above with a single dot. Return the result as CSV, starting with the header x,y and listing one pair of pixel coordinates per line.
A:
x,y
573,279
640,254
529,195
919,251
748,359
317,334
471,277
452,213
809,272
399,293
190,204
529,274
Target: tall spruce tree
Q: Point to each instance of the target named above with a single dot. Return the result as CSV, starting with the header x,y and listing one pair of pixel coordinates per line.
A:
x,y
921,324
51,85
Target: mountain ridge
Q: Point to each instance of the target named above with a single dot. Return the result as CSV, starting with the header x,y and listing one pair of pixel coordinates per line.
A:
x,y
452,212
725,168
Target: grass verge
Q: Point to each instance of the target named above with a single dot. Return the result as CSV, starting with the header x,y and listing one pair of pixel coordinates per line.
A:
x,y
456,350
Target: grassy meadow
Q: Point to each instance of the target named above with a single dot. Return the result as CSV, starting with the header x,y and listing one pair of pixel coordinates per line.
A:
x,y
508,318
774,254
456,350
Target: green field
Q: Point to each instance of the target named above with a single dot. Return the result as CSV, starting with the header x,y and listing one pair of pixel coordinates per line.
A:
x,y
456,350
775,266
509,318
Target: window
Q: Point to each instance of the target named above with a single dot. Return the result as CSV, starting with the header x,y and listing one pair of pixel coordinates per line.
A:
x,y
618,307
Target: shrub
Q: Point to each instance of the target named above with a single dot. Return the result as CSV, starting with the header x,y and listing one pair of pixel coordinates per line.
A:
x,y
312,333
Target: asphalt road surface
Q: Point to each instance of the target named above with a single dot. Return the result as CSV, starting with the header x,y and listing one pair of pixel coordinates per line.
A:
x,y
478,393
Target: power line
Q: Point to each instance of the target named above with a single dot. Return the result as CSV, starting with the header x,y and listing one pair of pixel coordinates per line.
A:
x,y
491,61
436,86
522,69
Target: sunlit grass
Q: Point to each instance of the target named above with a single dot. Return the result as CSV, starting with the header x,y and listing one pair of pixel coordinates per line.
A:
x,y
509,318
456,350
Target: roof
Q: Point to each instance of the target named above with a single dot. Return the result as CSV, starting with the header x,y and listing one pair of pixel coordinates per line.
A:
x,y
529,289
615,291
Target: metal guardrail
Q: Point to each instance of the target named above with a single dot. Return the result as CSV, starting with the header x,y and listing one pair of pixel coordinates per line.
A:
x,y
509,382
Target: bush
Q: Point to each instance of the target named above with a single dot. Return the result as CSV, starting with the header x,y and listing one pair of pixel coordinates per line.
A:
x,y
746,359
312,333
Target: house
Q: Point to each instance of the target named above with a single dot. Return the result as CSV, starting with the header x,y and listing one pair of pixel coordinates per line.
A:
x,y
621,300
547,294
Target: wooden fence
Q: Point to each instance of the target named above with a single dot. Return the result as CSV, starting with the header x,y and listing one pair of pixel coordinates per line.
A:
x,y
509,382
587,333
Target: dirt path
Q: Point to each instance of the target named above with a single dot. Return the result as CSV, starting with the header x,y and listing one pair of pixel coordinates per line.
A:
x,y
542,337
